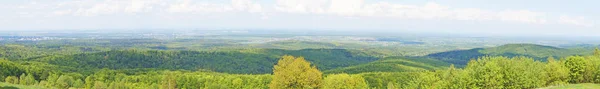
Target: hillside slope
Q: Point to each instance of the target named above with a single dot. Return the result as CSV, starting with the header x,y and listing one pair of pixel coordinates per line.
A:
x,y
229,62
394,64
540,52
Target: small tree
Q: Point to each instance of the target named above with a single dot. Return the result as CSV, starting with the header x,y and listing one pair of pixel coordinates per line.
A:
x,y
169,81
576,66
390,85
295,73
22,79
100,85
12,79
64,82
557,73
27,79
597,52
344,81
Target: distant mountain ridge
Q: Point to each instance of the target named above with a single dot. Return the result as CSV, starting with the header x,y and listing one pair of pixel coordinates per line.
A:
x,y
539,52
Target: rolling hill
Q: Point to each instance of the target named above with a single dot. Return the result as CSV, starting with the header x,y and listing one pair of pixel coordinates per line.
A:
x,y
394,64
539,52
255,62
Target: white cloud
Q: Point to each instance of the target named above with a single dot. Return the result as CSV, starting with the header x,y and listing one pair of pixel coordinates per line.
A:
x,y
342,8
105,7
246,5
579,21
345,7
302,6
522,16
132,7
187,6
428,11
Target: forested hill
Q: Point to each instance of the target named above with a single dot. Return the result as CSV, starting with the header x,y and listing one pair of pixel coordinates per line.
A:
x,y
394,64
247,62
539,52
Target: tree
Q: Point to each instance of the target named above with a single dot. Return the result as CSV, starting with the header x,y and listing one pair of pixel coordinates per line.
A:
x,y
597,52
89,82
25,79
12,79
576,66
390,85
169,82
424,80
344,81
51,80
238,83
557,73
99,85
295,73
64,82
78,83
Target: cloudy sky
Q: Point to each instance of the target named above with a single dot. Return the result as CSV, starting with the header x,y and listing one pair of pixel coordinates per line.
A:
x,y
525,17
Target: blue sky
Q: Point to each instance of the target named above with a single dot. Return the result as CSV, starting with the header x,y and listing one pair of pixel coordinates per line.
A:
x,y
493,17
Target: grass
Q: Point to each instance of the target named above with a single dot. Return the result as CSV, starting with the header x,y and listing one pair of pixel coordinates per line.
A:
x,y
575,86
15,86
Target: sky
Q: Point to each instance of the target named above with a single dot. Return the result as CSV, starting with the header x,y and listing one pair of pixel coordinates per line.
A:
x,y
489,17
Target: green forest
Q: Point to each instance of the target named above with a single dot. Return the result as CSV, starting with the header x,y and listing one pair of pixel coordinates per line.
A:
x,y
512,66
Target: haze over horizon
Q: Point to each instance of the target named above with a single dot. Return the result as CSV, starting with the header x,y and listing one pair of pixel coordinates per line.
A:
x,y
500,17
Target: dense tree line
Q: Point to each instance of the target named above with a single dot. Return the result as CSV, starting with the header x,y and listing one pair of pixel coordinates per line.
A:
x,y
503,72
394,64
228,62
538,52
298,72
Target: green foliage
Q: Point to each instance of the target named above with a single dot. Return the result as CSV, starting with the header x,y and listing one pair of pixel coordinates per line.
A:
x,y
424,80
394,64
12,79
381,80
558,74
391,85
25,79
344,81
64,82
576,65
295,73
596,52
100,85
575,86
16,86
178,69
169,82
538,52
228,62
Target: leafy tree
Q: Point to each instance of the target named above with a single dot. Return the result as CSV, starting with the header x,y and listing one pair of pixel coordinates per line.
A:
x,y
424,80
78,83
486,74
99,85
557,73
51,80
64,82
295,73
344,81
390,85
42,83
576,65
597,52
237,83
25,79
89,82
12,79
169,82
